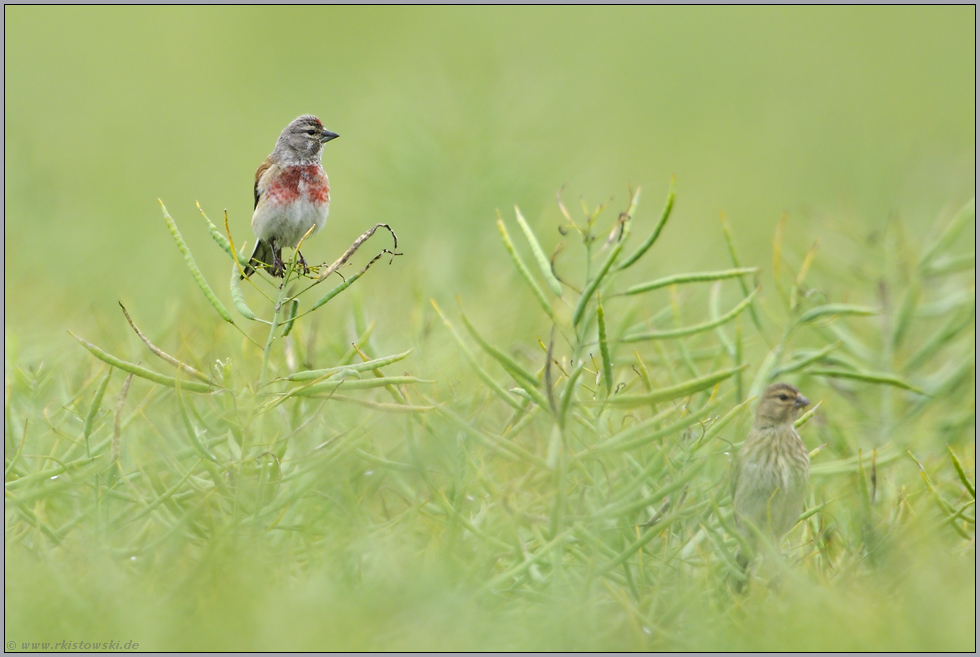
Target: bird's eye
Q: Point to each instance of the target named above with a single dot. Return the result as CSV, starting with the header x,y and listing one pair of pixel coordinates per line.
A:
x,y
783,397
311,132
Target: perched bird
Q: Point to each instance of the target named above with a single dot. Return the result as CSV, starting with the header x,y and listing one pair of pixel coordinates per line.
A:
x,y
292,193
772,470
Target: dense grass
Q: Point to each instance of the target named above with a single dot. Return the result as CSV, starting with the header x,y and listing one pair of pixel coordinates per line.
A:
x,y
447,510
562,489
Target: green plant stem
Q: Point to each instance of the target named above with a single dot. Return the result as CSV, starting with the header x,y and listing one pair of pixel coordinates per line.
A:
x,y
275,325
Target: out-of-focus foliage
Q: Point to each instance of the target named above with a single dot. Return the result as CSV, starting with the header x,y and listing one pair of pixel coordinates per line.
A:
x,y
541,462
447,115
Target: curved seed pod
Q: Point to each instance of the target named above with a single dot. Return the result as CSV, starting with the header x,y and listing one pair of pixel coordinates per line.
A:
x,y
800,421
695,277
236,294
698,328
568,393
93,408
607,371
357,367
965,216
835,309
730,241
142,372
293,309
221,240
356,384
664,215
593,285
543,263
869,377
522,268
195,271
674,392
480,372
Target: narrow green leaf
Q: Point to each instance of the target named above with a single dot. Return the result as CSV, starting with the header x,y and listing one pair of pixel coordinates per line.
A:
x,y
116,448
646,432
944,506
529,561
734,570
41,476
362,340
664,215
93,409
607,364
366,366
512,367
186,420
692,330
850,465
864,494
355,384
761,379
195,271
695,277
966,215
555,444
962,473
906,311
835,309
652,532
870,377
723,421
949,330
738,360
800,421
160,352
165,497
350,280
673,392
223,241
730,241
501,446
543,263
653,471
380,406
569,393
237,298
593,285
291,318
952,265
743,543
799,364
715,313
522,268
142,372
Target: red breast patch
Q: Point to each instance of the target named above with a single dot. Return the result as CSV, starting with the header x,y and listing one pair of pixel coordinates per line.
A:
x,y
292,182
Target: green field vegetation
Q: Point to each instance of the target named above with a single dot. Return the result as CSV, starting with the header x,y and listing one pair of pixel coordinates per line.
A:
x,y
577,478
507,431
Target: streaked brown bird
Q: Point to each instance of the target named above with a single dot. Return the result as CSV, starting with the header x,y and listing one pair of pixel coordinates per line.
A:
x,y
773,469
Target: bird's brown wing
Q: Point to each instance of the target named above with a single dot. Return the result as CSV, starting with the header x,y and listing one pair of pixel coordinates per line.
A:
x,y
258,177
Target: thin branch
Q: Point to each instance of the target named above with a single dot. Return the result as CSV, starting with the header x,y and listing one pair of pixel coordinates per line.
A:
x,y
162,354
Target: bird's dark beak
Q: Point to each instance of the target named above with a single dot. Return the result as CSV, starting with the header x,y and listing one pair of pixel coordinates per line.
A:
x,y
801,401
327,136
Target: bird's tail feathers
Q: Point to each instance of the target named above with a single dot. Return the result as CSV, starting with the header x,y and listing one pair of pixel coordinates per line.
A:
x,y
263,255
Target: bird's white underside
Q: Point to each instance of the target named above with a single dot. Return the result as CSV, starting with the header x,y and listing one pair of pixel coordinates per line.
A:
x,y
288,222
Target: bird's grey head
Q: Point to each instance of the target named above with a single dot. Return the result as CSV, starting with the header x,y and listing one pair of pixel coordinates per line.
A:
x,y
780,404
302,141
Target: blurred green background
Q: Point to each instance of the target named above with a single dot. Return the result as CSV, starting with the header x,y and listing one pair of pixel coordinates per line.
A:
x,y
448,114
838,119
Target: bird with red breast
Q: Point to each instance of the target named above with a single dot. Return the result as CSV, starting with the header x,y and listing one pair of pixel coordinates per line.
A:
x,y
292,194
